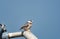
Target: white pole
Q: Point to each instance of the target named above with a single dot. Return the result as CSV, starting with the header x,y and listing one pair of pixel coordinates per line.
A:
x,y
29,35
11,35
26,34
15,34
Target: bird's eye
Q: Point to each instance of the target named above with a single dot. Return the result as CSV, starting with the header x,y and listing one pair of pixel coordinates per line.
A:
x,y
30,23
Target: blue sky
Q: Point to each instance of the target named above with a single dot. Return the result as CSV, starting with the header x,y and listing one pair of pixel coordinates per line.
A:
x,y
44,13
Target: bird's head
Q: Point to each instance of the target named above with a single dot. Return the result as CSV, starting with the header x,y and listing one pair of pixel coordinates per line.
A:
x,y
30,21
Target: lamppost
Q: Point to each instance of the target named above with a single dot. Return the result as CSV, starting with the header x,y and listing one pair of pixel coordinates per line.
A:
x,y
26,33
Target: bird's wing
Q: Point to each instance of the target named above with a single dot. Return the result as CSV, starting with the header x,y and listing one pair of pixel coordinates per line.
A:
x,y
24,26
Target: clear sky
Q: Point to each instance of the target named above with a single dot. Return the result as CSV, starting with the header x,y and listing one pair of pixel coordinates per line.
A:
x,y
44,13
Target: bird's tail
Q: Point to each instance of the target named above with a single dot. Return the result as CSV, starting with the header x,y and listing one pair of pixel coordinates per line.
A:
x,y
21,28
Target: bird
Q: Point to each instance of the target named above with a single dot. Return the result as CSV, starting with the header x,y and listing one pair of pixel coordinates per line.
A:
x,y
27,25
2,30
